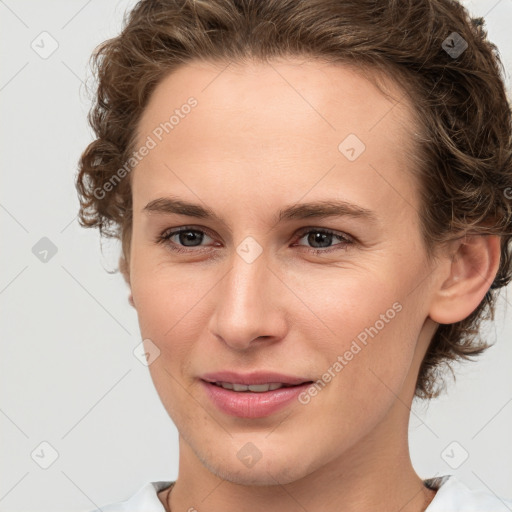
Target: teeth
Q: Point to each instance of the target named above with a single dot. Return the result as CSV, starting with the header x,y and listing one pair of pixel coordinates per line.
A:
x,y
256,388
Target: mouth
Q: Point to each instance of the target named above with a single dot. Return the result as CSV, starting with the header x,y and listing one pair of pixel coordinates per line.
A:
x,y
251,401
255,388
254,378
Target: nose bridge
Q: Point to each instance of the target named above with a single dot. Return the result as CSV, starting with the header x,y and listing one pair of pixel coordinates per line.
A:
x,y
245,305
246,283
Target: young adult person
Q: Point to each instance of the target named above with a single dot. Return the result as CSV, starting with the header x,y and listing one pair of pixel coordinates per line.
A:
x,y
312,201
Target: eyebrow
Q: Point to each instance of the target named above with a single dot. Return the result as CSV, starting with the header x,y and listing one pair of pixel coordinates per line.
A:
x,y
317,209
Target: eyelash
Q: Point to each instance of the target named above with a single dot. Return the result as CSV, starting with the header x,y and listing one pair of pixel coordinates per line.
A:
x,y
165,236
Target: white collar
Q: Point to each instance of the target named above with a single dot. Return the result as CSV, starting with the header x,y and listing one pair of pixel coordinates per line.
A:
x,y
452,496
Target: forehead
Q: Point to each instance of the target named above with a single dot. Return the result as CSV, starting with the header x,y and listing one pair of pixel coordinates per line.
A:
x,y
277,125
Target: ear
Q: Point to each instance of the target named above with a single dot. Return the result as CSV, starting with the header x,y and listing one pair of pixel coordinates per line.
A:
x,y
125,270
474,264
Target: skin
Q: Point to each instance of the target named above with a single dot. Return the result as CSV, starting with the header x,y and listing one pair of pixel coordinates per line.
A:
x,y
264,136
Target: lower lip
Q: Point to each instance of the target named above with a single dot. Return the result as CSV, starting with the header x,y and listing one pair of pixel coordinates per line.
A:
x,y
249,404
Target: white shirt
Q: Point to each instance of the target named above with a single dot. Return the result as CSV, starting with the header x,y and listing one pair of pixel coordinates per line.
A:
x,y
452,496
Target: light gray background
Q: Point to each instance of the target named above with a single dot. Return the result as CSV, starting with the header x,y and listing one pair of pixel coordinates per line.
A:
x,y
68,373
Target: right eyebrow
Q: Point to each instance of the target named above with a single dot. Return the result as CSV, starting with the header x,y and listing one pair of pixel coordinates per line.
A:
x,y
171,205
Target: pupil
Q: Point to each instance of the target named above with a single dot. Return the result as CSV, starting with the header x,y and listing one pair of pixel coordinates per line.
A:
x,y
319,238
188,236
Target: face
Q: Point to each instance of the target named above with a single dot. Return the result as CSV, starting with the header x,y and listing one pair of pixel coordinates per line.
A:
x,y
339,299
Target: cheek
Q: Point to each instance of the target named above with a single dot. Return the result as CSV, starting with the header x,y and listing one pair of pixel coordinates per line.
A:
x,y
364,330
364,372
341,305
165,297
168,307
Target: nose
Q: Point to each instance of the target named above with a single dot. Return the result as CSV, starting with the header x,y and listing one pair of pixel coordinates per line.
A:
x,y
249,305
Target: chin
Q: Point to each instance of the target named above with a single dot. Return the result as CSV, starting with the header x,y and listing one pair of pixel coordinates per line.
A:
x,y
276,469
276,475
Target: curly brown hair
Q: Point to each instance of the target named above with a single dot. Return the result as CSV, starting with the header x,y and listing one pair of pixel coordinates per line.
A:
x,y
433,50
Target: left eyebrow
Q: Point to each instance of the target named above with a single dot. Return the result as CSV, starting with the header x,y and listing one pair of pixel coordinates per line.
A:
x,y
317,209
325,208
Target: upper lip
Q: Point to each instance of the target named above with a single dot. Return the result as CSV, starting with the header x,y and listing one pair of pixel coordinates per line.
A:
x,y
256,377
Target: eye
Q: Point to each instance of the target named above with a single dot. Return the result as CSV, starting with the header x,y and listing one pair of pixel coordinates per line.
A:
x,y
187,236
323,238
190,237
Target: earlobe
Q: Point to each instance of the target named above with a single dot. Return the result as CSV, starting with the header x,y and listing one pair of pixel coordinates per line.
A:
x,y
474,265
